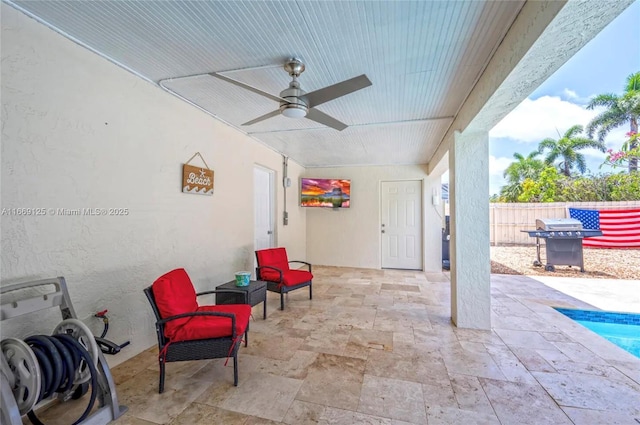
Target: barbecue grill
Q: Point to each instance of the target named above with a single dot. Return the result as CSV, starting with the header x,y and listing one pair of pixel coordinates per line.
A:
x,y
563,241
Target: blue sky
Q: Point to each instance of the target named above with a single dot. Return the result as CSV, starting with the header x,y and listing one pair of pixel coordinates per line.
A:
x,y
601,66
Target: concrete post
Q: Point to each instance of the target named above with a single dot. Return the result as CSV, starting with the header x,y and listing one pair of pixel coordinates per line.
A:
x,y
469,203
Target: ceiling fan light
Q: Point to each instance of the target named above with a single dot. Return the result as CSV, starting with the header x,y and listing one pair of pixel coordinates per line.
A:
x,y
294,111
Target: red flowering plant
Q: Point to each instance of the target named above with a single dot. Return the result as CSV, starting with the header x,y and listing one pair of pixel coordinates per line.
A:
x,y
630,151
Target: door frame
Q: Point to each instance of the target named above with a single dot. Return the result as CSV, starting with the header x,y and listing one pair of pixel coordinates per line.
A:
x,y
272,201
422,218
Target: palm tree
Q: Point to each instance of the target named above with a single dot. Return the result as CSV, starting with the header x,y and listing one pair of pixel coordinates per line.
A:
x,y
566,148
524,167
620,109
517,172
511,192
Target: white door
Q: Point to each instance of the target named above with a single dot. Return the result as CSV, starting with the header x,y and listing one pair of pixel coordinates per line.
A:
x,y
264,202
401,225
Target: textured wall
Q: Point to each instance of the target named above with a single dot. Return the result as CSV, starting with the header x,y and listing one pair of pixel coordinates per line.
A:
x,y
351,237
79,132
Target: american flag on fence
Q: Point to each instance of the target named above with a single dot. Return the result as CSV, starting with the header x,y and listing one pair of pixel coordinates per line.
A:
x,y
620,228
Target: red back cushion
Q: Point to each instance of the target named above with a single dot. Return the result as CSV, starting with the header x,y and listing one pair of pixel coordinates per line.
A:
x,y
174,294
274,257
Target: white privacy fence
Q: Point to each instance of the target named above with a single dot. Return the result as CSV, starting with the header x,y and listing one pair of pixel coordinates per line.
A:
x,y
507,220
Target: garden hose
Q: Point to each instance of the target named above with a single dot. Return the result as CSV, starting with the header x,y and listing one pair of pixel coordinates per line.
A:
x,y
60,358
68,366
53,379
45,370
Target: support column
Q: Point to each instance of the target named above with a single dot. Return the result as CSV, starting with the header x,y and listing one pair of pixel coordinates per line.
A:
x,y
469,204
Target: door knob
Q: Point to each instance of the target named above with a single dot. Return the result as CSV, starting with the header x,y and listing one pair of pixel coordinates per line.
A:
x,y
269,232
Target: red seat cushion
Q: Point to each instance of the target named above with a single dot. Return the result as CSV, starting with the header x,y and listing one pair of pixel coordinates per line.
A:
x,y
174,294
296,277
289,278
205,327
274,257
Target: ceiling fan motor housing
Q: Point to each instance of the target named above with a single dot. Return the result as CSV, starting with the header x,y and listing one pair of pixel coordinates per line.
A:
x,y
294,67
296,106
296,103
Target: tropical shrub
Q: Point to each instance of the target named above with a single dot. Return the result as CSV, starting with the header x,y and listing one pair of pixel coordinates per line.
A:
x,y
541,190
552,186
623,187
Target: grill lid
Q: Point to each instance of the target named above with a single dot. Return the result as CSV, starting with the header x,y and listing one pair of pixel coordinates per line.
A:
x,y
558,224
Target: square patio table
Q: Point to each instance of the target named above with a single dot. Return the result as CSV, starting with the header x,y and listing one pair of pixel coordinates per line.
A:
x,y
256,292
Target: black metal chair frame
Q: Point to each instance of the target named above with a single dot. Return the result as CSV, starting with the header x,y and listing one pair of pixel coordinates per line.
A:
x,y
199,349
279,287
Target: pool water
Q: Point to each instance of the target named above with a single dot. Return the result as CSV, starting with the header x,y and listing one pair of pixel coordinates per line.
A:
x,y
622,329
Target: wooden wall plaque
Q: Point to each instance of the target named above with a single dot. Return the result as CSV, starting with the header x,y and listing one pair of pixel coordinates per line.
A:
x,y
197,180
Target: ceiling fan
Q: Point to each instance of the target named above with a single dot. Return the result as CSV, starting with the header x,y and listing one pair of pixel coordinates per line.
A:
x,y
296,103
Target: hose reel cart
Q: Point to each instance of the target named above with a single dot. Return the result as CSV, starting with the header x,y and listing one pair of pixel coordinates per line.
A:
x,y
26,385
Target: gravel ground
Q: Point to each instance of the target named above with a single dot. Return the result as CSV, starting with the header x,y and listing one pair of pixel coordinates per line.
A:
x,y
598,263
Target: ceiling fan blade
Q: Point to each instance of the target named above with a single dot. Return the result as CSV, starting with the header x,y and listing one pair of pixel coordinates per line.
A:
x,y
322,118
328,93
248,87
263,117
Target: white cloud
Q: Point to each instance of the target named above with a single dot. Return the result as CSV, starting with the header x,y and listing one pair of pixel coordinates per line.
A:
x,y
497,165
574,97
570,94
534,120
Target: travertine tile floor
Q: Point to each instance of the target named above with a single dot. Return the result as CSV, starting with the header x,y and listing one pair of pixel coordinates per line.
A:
x,y
378,347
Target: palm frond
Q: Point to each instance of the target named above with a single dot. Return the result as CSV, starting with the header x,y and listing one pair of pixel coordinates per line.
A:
x,y
518,156
511,192
607,99
629,104
581,164
576,129
547,143
581,143
605,129
551,157
633,82
605,122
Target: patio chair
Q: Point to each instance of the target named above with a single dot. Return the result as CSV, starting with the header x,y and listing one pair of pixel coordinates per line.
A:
x,y
188,331
273,268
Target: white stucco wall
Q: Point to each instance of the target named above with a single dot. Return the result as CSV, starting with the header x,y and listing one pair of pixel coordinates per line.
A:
x,y
80,132
351,237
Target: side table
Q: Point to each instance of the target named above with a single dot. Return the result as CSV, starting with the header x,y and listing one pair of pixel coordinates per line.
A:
x,y
256,291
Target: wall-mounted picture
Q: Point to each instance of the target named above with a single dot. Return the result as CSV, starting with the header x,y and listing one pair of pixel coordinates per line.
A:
x,y
325,193
197,180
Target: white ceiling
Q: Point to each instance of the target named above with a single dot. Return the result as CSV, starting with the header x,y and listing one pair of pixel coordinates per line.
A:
x,y
423,58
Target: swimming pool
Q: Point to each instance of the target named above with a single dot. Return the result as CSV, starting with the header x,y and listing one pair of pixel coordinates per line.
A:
x,y
623,329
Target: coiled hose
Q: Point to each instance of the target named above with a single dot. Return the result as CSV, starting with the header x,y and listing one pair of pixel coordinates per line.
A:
x,y
60,357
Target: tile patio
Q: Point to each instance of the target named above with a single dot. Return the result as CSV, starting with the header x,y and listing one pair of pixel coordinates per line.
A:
x,y
378,347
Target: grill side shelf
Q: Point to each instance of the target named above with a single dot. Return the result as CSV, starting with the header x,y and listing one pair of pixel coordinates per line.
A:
x,y
573,234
